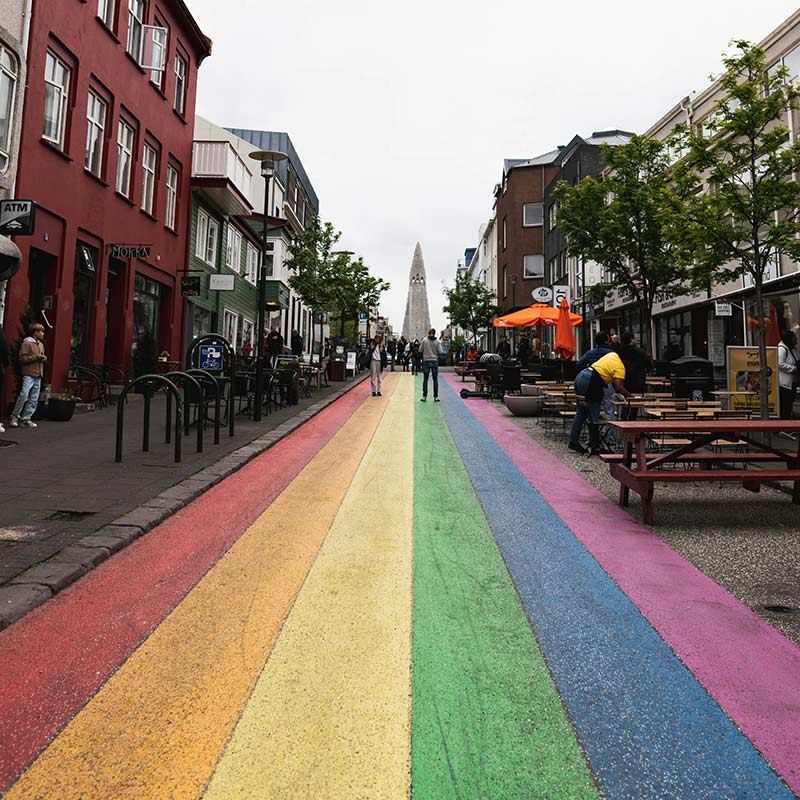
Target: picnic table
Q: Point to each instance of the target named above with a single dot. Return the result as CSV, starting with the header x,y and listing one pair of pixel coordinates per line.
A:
x,y
642,475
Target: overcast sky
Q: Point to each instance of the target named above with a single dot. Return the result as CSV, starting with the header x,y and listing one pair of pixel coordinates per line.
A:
x,y
402,113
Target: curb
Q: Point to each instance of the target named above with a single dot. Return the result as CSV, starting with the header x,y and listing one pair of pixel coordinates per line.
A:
x,y
44,580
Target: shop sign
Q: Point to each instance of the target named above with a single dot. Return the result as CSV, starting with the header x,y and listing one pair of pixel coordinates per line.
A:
x,y
221,283
744,376
561,293
723,309
190,286
130,250
542,294
17,217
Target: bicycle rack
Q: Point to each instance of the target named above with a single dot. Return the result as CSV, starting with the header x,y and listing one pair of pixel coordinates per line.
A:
x,y
181,378
149,383
208,379
228,365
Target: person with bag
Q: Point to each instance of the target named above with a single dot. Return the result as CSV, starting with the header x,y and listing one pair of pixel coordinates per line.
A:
x,y
788,358
376,360
32,360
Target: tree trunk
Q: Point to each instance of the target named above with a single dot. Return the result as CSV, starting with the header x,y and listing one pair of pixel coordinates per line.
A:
x,y
762,350
645,317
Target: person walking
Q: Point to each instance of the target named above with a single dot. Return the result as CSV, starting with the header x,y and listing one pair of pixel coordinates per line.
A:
x,y
524,351
637,365
429,354
297,344
788,372
274,345
32,360
376,360
589,387
414,356
392,348
504,348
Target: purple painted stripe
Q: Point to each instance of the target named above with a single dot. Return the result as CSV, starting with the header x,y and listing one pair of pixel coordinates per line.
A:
x,y
749,668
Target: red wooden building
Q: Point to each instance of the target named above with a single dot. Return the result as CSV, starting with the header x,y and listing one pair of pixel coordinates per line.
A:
x,y
106,154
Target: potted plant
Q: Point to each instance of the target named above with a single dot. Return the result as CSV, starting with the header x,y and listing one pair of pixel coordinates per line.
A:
x,y
61,405
164,355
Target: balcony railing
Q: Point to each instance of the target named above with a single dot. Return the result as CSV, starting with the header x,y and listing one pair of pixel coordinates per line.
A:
x,y
220,160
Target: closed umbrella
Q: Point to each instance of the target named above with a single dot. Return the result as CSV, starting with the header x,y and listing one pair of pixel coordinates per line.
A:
x,y
565,336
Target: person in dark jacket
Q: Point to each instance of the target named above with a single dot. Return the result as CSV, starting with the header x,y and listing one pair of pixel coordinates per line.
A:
x,y
637,365
601,348
504,348
297,344
524,351
274,345
392,348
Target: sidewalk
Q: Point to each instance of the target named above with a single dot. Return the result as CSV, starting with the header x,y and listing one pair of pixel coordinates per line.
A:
x,y
62,484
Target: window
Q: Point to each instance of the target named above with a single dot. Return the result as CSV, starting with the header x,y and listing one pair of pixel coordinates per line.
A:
x,y
533,266
551,216
252,264
95,133
505,240
246,334
135,25
532,214
270,265
172,197
180,84
8,88
105,12
230,325
149,159
211,242
124,158
157,57
56,94
206,238
233,249
505,282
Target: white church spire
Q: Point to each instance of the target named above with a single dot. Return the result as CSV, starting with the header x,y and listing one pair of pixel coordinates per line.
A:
x,y
417,321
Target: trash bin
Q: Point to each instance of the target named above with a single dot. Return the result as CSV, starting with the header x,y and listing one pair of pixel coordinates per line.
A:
x,y
337,369
692,377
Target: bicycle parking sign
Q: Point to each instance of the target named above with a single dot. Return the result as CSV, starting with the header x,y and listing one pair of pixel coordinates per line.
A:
x,y
210,357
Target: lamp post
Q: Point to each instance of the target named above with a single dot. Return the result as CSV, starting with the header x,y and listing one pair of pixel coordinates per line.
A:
x,y
268,159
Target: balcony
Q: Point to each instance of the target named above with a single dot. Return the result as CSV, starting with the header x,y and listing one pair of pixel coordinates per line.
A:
x,y
222,175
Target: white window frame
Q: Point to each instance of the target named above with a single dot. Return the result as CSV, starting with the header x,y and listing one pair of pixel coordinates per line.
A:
x,y
8,75
228,317
55,70
505,231
125,149
526,223
212,242
149,168
251,273
201,235
105,12
96,112
157,64
171,205
252,338
233,249
530,274
137,10
181,68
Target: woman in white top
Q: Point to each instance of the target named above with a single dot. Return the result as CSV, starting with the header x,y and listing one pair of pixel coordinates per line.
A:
x,y
788,359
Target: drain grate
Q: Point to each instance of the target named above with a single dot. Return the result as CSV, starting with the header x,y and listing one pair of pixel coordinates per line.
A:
x,y
70,514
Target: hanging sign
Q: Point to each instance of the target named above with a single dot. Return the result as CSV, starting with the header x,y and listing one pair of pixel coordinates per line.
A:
x,y
17,217
723,309
190,286
221,283
542,294
561,293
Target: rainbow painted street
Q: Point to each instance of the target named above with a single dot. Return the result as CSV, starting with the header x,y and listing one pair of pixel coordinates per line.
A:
x,y
399,598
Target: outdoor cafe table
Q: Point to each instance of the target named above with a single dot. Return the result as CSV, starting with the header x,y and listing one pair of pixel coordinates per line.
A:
x,y
725,397
642,475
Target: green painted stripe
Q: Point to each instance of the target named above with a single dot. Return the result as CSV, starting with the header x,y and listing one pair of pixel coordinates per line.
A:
x,y
487,721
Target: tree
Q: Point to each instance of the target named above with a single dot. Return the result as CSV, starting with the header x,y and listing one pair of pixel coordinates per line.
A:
x,y
740,203
313,262
354,289
617,222
470,304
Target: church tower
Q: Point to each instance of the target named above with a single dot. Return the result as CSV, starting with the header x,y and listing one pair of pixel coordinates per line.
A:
x,y
417,321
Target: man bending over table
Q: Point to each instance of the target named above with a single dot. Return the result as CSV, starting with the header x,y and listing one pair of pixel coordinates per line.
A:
x,y
591,384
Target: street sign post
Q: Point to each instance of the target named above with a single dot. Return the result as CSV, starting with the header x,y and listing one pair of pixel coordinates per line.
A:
x,y
561,293
211,357
17,217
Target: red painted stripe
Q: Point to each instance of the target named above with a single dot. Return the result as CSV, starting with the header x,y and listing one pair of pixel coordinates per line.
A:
x,y
54,659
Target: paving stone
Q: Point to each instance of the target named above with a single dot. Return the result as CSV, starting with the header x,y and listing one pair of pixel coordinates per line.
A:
x,y
86,556
144,518
54,574
169,504
17,600
110,543
127,533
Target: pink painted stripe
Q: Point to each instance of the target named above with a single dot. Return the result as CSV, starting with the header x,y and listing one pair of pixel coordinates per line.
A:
x,y
54,659
751,670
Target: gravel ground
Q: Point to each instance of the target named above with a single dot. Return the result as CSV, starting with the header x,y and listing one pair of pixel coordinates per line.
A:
x,y
748,543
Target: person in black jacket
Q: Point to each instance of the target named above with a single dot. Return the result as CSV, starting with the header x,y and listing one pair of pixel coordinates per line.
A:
x,y
637,365
376,361
297,343
274,345
504,348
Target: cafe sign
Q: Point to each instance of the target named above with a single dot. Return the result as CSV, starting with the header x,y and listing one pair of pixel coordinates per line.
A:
x,y
130,250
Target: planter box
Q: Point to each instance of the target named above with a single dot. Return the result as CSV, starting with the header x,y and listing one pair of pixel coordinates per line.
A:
x,y
60,410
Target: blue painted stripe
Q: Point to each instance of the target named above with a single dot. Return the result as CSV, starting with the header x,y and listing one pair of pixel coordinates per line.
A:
x,y
648,727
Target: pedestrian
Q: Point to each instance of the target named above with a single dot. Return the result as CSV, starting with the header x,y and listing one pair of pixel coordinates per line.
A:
x,y
392,348
297,343
600,349
615,342
32,360
524,351
637,365
589,388
414,356
504,348
274,345
429,353
376,359
407,357
788,361
5,362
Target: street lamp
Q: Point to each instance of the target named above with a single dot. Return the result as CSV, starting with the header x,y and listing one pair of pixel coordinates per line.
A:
x,y
268,159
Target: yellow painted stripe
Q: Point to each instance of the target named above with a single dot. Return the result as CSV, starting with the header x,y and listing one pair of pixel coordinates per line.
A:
x,y
330,715
158,726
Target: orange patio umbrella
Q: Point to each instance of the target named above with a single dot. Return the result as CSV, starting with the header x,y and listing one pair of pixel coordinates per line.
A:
x,y
565,336
537,314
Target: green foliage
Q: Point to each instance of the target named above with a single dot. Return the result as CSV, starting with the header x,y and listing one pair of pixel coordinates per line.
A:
x,y
739,203
456,343
617,223
354,289
312,262
470,304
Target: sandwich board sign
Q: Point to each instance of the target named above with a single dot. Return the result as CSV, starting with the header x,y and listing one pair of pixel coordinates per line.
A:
x,y
17,217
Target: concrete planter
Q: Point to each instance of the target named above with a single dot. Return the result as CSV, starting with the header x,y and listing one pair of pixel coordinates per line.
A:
x,y
529,390
522,406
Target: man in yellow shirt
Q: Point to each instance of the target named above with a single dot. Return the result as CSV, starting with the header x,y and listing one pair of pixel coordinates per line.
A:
x,y
591,384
